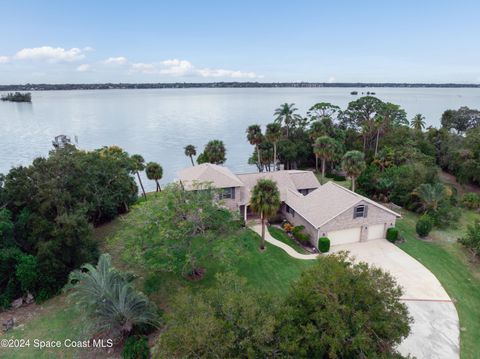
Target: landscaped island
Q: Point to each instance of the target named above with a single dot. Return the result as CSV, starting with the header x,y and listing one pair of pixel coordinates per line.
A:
x,y
17,97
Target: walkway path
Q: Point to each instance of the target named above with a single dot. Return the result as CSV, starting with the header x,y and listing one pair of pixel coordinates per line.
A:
x,y
291,252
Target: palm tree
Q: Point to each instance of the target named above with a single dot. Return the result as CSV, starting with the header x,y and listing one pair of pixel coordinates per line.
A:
x,y
138,165
255,137
214,152
154,172
353,163
325,148
190,151
430,196
418,122
273,135
265,201
286,114
109,300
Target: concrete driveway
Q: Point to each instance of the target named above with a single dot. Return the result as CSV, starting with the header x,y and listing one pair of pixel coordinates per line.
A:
x,y
435,331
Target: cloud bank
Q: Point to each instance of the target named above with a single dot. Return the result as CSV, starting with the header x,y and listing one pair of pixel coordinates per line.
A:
x,y
169,67
176,67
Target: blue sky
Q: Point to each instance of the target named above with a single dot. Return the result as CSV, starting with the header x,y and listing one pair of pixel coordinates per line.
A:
x,y
201,41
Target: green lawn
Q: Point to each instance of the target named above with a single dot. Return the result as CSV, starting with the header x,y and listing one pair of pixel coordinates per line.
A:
x,y
272,270
280,235
347,183
450,264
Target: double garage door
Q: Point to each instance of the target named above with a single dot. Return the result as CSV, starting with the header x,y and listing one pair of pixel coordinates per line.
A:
x,y
352,235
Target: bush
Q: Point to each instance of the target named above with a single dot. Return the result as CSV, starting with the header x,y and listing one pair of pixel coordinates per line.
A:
x,y
471,239
424,226
329,175
392,234
298,234
323,244
287,227
471,200
339,178
136,347
374,323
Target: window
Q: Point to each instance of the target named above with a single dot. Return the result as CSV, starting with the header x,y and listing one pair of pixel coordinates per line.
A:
x,y
290,210
228,193
360,211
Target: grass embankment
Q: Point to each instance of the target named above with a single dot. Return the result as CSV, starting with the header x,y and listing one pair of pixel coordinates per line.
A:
x,y
450,263
272,271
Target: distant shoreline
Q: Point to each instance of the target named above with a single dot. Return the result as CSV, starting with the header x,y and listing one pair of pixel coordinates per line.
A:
x,y
126,86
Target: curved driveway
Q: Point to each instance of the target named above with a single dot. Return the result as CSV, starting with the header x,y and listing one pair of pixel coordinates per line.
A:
x,y
435,331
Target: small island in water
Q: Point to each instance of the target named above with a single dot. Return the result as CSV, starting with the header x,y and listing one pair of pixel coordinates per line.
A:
x,y
17,97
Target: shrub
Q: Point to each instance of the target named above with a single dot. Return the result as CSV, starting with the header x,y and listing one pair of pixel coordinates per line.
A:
x,y
26,272
329,175
471,200
339,178
424,226
392,234
471,239
136,347
298,234
308,312
323,244
287,227
297,229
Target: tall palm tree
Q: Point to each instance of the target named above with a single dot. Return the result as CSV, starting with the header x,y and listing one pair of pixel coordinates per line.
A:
x,y
154,172
255,137
286,114
190,151
418,122
431,195
273,135
353,163
265,201
214,152
138,165
109,300
325,148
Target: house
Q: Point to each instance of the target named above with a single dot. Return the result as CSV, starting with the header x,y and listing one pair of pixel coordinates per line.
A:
x,y
328,210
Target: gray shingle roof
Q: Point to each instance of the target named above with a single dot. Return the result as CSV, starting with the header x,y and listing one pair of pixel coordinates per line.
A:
x,y
218,176
326,203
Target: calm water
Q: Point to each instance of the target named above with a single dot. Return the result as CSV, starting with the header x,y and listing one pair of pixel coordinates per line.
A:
x,y
159,123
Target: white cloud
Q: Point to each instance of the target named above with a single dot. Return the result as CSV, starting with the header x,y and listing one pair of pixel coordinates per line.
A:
x,y
226,73
175,67
4,59
120,60
50,54
331,79
83,68
144,68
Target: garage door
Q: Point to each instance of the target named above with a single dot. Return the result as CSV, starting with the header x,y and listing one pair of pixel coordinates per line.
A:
x,y
344,236
376,231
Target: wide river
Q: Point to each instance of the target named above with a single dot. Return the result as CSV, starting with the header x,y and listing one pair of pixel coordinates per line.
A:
x,y
159,123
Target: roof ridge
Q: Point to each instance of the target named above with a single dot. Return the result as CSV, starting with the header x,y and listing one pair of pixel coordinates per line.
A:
x,y
364,198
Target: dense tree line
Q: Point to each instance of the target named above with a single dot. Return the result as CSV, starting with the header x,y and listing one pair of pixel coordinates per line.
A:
x,y
47,211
